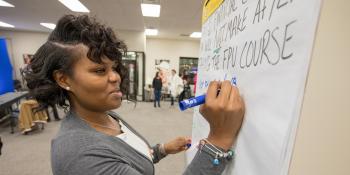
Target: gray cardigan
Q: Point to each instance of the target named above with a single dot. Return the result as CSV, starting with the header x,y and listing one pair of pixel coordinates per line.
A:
x,y
78,149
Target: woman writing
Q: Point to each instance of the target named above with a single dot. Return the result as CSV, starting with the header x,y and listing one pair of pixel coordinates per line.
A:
x,y
79,68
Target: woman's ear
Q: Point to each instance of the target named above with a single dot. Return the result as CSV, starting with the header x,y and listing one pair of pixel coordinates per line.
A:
x,y
61,79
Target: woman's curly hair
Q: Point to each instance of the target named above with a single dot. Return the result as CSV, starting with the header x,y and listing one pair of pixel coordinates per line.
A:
x,y
62,50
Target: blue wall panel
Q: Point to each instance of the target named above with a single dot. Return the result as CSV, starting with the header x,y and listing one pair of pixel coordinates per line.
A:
x,y
6,81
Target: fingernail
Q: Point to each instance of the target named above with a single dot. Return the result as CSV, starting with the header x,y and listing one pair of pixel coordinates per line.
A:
x,y
188,145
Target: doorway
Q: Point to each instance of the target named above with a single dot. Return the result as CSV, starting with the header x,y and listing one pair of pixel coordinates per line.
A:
x,y
135,63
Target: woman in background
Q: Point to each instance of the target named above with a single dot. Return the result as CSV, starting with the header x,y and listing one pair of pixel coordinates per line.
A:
x,y
81,64
157,86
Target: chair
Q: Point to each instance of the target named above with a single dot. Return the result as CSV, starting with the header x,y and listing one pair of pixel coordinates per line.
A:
x,y
28,118
13,118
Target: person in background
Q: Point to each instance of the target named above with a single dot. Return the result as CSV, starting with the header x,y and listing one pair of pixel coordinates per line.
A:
x,y
175,86
163,75
26,70
157,88
0,146
79,68
182,94
195,84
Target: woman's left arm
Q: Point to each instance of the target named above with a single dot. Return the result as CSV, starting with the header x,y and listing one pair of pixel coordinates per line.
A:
x,y
177,145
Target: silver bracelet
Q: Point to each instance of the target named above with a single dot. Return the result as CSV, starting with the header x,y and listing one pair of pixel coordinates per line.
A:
x,y
209,148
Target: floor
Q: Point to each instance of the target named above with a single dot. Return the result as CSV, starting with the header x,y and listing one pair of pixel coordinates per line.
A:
x,y
30,154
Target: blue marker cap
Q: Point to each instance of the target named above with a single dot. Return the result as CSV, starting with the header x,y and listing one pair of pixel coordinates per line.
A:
x,y
195,101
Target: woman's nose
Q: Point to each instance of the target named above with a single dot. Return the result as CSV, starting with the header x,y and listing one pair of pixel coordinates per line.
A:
x,y
114,76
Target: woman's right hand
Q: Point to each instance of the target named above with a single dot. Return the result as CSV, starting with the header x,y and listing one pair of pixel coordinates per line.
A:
x,y
224,113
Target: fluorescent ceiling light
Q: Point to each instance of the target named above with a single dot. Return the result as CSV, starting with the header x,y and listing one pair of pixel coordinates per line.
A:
x,y
150,10
48,25
196,35
3,24
75,5
5,4
151,32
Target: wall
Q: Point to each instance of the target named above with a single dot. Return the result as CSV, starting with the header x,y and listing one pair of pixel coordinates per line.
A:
x,y
168,49
136,41
322,144
20,43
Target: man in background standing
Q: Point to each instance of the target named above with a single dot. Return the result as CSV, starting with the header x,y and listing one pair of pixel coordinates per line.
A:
x,y
175,86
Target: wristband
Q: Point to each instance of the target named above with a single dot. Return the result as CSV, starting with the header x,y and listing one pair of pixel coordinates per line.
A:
x,y
217,153
162,149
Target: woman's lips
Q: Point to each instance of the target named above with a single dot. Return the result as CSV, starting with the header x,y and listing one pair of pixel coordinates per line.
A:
x,y
117,94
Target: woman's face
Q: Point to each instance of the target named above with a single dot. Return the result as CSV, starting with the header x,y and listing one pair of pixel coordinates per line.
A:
x,y
95,86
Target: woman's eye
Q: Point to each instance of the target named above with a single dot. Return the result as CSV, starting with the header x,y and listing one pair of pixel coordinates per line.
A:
x,y
100,71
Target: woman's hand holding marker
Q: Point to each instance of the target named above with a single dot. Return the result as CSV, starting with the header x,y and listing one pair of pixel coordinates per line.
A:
x,y
224,113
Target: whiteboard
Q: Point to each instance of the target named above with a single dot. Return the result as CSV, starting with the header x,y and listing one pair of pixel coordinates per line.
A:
x,y
266,46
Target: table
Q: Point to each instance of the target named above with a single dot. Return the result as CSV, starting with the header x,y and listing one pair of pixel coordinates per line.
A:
x,y
6,102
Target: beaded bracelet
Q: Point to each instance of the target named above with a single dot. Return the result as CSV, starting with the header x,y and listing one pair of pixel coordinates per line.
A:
x,y
217,153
